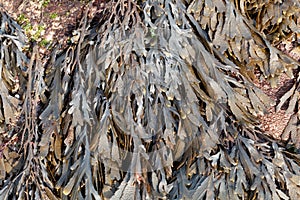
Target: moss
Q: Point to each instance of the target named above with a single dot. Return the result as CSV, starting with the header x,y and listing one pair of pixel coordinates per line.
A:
x,y
21,19
53,15
45,3
44,43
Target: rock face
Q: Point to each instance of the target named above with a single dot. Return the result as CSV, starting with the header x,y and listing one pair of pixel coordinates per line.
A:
x,y
152,100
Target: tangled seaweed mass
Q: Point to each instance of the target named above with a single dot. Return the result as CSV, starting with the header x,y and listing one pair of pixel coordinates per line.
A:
x,y
153,100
